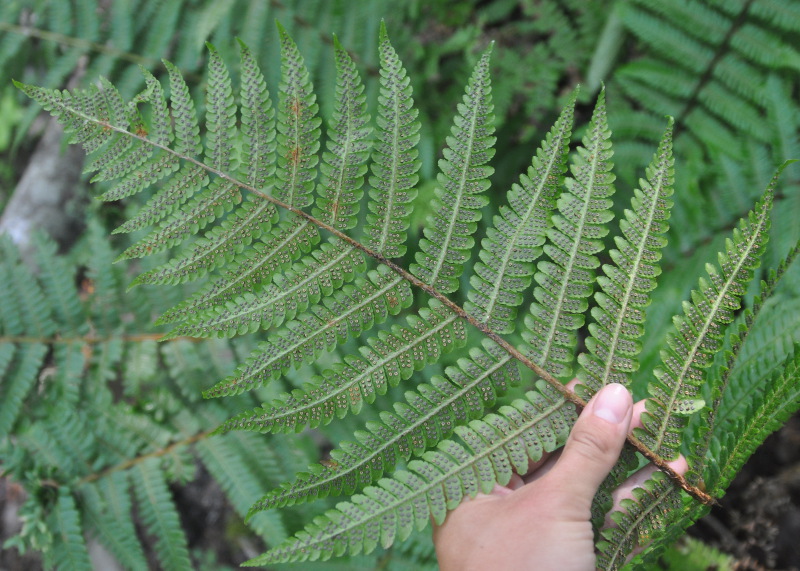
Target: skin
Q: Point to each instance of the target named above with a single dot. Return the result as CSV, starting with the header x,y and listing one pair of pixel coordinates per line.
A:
x,y
540,520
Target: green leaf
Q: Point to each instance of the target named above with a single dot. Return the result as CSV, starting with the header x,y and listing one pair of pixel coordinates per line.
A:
x,y
462,179
395,159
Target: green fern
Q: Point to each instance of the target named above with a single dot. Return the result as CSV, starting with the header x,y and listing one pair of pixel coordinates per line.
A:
x,y
77,444
313,296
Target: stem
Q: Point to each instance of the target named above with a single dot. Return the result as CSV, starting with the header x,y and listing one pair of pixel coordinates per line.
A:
x,y
134,461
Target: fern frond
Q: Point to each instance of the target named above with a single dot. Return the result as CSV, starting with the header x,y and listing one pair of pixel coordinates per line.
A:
x,y
33,313
698,334
395,160
187,142
516,238
386,359
18,381
144,164
311,279
249,269
227,466
431,414
769,348
219,246
58,280
205,207
69,549
343,167
462,179
349,311
169,198
256,168
619,314
654,507
108,508
159,515
492,449
565,282
766,411
298,128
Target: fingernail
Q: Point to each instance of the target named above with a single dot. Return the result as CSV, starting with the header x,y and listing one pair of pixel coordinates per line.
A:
x,y
612,403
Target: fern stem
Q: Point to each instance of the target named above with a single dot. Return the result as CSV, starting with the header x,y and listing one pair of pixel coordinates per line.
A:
x,y
139,459
48,36
694,491
92,340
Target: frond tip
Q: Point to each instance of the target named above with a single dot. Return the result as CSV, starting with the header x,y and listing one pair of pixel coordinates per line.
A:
x,y
462,179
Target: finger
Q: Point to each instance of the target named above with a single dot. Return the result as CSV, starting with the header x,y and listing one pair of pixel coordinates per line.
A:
x,y
595,442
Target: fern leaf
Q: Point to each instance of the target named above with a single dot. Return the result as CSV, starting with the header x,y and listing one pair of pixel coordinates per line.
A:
x,y
431,414
654,506
120,115
220,114
462,178
170,197
217,198
619,315
108,507
257,215
26,309
69,549
767,410
257,166
395,159
159,515
251,268
18,381
343,167
728,401
698,334
144,164
298,128
386,359
351,310
518,233
492,448
187,143
58,281
219,246
565,282
240,484
310,279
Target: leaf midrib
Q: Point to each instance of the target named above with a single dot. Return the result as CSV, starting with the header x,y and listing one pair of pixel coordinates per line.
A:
x,y
565,283
640,249
506,260
678,383
456,210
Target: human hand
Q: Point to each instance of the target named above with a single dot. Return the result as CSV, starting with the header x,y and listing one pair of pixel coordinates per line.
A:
x,y
540,520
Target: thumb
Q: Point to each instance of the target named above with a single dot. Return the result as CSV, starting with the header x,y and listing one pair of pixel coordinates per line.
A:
x,y
595,443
